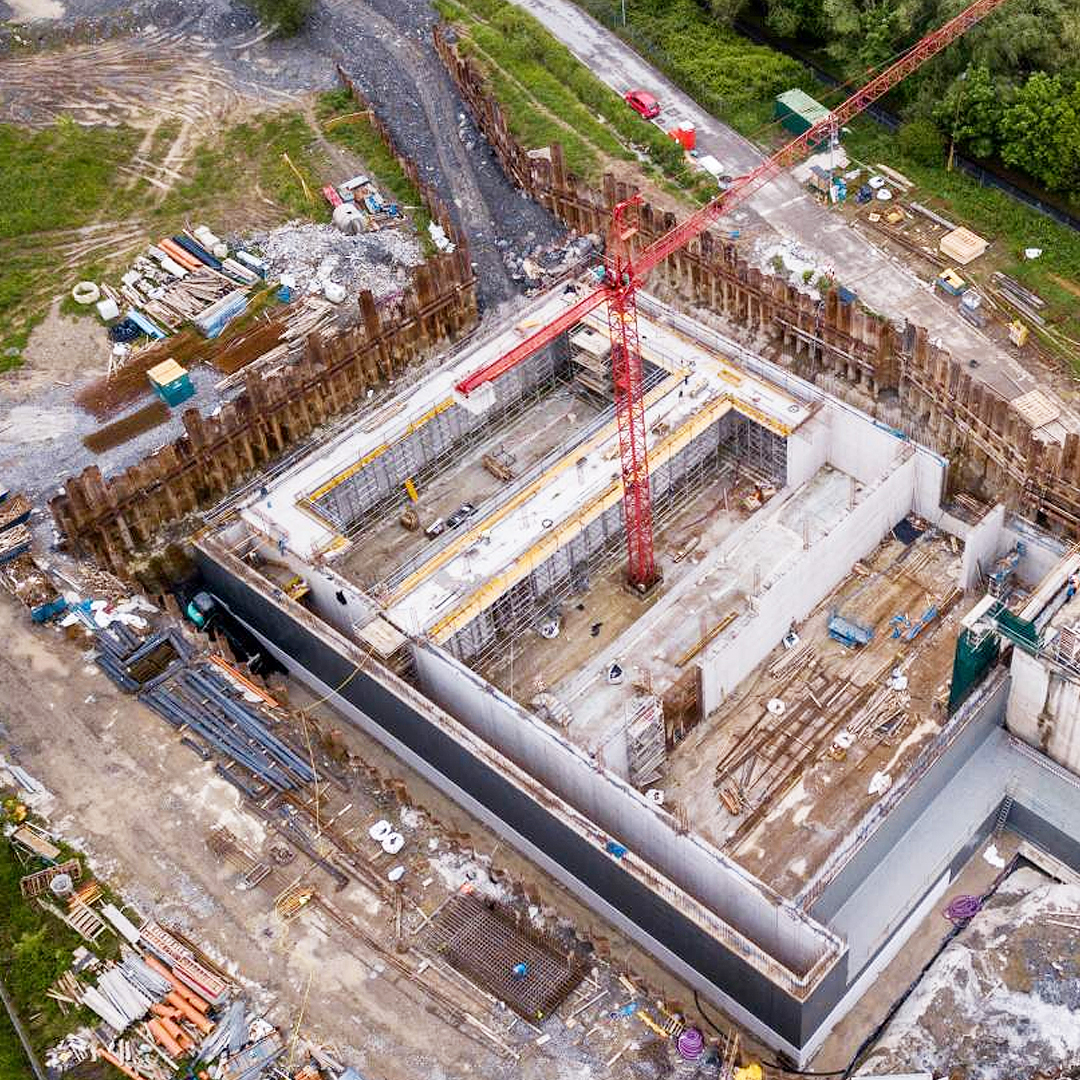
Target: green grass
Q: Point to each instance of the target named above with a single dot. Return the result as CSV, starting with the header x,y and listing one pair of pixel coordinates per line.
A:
x,y
730,76
13,1063
356,133
65,176
549,96
247,157
35,950
1010,225
57,178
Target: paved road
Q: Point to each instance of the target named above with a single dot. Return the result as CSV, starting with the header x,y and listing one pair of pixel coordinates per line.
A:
x,y
880,280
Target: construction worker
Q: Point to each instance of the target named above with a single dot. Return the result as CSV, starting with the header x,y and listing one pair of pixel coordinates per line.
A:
x,y
1072,586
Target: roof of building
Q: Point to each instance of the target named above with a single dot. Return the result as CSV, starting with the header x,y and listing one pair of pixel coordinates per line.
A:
x,y
800,102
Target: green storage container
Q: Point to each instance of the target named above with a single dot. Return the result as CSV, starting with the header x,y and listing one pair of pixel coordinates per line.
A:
x,y
798,112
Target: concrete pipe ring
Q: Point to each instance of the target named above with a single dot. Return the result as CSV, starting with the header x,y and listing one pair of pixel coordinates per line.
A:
x,y
380,830
86,292
393,843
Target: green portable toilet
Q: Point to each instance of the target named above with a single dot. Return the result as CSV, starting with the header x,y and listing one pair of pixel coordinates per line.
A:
x,y
171,382
798,112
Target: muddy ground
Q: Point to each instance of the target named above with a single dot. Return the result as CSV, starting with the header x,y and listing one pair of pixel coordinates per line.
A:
x,y
141,805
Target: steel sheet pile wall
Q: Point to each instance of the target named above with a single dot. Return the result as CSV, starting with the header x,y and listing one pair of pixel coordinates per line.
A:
x,y
953,410
782,1005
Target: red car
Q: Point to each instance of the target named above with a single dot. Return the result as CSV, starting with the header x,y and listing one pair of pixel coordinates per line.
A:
x,y
641,101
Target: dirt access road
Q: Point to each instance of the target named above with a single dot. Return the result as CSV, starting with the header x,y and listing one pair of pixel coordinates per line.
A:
x,y
386,47
881,281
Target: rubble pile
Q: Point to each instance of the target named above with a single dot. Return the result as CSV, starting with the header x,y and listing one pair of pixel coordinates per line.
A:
x,y
313,256
542,264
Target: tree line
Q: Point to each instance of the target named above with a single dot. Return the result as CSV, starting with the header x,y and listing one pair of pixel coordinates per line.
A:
x,y
1009,89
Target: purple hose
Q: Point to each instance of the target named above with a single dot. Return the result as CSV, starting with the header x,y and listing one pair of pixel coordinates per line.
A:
x,y
691,1044
962,908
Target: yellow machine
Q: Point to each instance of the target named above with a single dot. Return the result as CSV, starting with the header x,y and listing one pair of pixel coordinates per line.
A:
x,y
753,1071
1018,333
951,282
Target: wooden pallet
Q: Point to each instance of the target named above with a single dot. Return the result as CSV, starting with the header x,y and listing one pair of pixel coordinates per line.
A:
x,y
35,884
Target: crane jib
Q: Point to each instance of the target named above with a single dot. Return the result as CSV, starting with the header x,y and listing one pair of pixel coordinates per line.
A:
x,y
630,274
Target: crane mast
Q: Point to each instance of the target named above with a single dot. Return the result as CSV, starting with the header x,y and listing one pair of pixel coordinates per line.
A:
x,y
624,274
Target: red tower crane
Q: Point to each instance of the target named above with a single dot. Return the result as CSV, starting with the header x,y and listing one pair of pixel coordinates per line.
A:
x,y
623,275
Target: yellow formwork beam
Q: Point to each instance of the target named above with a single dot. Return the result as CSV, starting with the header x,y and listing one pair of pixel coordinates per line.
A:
x,y
467,538
369,457
563,533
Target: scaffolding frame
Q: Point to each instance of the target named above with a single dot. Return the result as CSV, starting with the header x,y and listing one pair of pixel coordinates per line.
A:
x,y
377,490
524,607
758,448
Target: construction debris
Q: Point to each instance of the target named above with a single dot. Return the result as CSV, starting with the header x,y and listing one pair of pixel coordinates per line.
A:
x,y
312,256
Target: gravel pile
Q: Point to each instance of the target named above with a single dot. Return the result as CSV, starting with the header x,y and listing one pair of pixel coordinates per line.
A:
x,y
316,254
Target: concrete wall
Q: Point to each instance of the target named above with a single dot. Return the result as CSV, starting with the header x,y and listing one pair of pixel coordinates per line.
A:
x,y
1044,708
1042,552
861,447
724,887
417,453
685,937
327,590
808,449
805,582
909,848
982,546
997,533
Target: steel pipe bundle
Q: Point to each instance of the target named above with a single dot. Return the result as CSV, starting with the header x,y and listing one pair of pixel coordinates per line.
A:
x,y
198,700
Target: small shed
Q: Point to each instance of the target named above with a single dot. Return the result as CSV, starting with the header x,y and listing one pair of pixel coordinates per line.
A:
x,y
798,112
820,179
171,382
963,246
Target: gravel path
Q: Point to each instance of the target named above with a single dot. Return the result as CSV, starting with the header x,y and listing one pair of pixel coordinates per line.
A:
x,y
386,47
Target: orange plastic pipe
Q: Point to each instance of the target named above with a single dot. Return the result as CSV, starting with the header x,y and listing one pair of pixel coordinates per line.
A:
x,y
177,1033
190,1011
180,988
181,255
165,1039
192,997
161,969
164,1010
184,258
112,1059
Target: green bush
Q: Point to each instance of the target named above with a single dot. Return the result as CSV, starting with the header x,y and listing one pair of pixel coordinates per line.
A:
x,y
289,15
921,141
728,75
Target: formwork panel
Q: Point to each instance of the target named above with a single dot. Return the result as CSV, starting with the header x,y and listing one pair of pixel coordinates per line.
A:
x,y
600,542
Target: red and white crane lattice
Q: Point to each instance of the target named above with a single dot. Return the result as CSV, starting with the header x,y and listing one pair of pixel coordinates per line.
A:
x,y
625,274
